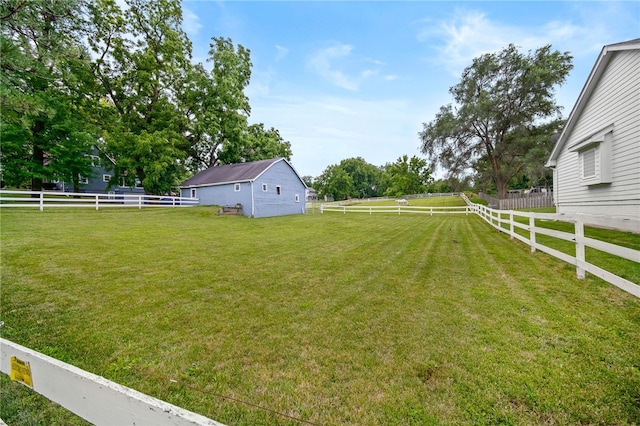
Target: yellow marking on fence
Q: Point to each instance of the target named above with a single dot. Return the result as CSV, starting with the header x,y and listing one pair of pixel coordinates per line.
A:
x,y
21,372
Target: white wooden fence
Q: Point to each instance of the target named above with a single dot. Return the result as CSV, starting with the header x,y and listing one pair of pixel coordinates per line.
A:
x,y
42,199
400,209
505,221
94,398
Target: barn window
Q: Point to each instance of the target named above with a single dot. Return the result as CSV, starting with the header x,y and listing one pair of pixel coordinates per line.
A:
x,y
236,187
264,187
193,193
83,180
594,157
278,189
106,178
297,198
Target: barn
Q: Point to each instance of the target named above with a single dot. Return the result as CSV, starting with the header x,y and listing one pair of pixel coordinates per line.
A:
x,y
596,159
263,188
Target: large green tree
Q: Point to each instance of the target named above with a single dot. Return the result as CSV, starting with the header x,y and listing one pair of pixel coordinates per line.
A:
x,y
366,177
217,108
46,92
501,106
351,178
335,182
406,176
143,56
256,143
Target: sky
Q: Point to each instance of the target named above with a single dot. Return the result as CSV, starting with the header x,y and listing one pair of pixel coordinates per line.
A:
x,y
343,79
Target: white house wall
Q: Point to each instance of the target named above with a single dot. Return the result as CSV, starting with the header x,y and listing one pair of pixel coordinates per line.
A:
x,y
615,100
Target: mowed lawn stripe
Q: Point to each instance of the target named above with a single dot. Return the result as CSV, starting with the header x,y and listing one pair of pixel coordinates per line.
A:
x,y
336,319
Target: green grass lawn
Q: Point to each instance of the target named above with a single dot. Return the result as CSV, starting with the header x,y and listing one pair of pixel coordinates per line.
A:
x,y
334,319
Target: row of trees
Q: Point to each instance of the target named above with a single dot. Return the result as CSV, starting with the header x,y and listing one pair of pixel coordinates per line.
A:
x,y
355,178
81,73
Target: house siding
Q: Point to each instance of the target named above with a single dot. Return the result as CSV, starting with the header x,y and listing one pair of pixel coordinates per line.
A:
x,y
615,100
96,184
256,202
223,195
269,203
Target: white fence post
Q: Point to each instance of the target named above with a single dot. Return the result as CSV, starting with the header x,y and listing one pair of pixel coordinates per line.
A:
x,y
532,233
511,225
580,252
139,202
97,202
41,201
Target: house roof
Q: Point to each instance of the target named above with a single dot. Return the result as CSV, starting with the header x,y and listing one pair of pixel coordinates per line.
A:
x,y
605,56
233,173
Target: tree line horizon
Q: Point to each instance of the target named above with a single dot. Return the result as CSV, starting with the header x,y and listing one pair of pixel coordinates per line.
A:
x,y
78,74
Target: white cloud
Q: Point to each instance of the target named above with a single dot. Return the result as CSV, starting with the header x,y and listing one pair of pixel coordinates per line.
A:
x,y
338,65
281,52
468,34
325,130
190,22
324,61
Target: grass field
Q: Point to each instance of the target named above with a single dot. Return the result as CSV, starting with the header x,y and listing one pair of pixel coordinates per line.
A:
x,y
333,319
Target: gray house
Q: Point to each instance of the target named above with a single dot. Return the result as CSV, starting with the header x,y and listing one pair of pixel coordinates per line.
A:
x,y
264,188
101,179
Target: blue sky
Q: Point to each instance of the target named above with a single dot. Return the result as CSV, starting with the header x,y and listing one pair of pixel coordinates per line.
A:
x,y
343,79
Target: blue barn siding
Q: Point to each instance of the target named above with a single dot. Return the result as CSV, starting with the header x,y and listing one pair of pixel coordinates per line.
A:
x,y
265,203
223,195
269,203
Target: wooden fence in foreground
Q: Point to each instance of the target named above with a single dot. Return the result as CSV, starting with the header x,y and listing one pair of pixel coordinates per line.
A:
x,y
94,398
42,199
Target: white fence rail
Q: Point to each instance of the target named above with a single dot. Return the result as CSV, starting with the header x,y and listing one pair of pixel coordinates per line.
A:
x,y
50,199
400,209
504,221
94,398
406,197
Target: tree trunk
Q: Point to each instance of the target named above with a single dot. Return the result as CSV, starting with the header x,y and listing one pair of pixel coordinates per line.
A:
x,y
501,185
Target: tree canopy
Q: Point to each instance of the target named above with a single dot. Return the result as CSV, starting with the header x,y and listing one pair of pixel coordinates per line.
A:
x,y
44,80
119,75
406,176
503,117
355,178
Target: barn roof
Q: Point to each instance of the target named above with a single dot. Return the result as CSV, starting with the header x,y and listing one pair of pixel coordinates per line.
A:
x,y
232,173
598,69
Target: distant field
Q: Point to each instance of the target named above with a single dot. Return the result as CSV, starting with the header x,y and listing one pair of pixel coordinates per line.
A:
x,y
333,319
448,201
